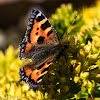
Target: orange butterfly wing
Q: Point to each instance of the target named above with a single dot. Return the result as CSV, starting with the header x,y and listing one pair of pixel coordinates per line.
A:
x,y
39,33
39,29
33,76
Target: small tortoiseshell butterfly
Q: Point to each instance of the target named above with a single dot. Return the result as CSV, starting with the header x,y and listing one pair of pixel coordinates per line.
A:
x,y
41,44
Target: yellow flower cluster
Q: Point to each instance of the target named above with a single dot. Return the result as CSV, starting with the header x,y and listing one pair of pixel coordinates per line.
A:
x,y
74,74
89,58
9,77
90,14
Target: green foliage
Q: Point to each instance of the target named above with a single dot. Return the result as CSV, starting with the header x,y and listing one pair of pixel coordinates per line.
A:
x,y
76,70
74,74
63,18
87,32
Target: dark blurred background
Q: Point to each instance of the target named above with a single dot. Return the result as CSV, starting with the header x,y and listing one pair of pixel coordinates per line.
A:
x,y
14,15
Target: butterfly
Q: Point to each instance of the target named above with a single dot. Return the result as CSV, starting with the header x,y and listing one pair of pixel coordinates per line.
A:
x,y
41,44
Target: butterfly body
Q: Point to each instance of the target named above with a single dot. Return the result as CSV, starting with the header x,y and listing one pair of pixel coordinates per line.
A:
x,y
42,45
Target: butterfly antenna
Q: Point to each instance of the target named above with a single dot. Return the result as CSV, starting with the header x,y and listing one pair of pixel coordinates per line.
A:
x,y
70,27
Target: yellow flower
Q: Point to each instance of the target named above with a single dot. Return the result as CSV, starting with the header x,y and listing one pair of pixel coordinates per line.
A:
x,y
76,79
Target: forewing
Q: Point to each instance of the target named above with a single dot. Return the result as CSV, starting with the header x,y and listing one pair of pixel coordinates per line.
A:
x,y
40,36
39,30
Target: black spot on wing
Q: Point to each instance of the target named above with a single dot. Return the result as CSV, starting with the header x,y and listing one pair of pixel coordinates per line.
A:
x,y
49,62
37,28
37,12
33,10
45,25
46,69
37,33
49,33
40,66
40,18
40,78
31,80
40,40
